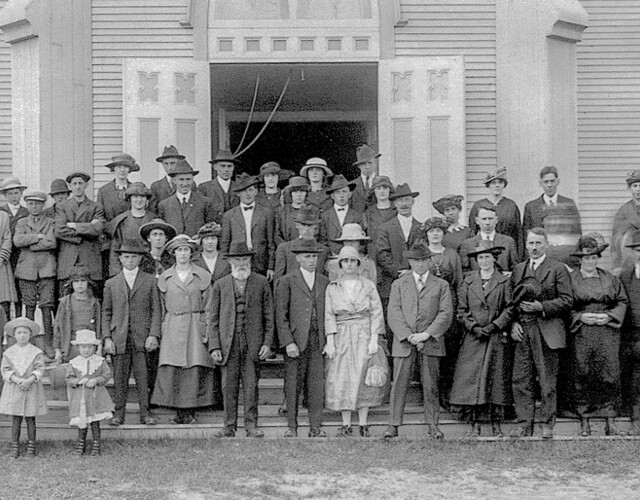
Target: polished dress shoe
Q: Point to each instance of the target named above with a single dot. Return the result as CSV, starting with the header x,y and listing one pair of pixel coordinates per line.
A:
x,y
317,432
345,431
547,431
116,421
291,433
364,431
434,432
225,433
391,432
585,428
255,433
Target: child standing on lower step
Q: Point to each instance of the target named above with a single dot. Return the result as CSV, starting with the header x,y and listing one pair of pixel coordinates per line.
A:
x,y
23,395
89,400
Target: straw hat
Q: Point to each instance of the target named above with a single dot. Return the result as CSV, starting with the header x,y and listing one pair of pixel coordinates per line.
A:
x,y
11,183
85,337
316,163
352,232
10,327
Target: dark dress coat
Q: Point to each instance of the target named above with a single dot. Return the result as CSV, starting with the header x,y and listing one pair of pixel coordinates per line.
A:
x,y
483,370
285,224
506,260
594,349
222,267
112,201
626,220
160,190
80,246
409,312
37,257
259,316
62,331
360,200
320,198
294,303
122,228
374,217
536,210
136,313
330,228
233,231
221,201
630,343
199,211
13,220
453,238
390,257
270,201
509,221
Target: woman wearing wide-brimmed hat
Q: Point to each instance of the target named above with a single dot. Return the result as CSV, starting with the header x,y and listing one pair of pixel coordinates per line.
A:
x,y
380,209
210,258
126,226
156,234
317,172
450,206
270,194
186,376
509,220
626,220
599,307
482,379
353,236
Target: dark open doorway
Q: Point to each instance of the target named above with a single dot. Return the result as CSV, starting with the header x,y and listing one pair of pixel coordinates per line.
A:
x,y
292,144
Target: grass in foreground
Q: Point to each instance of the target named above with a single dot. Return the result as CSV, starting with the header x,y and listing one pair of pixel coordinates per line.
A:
x,y
333,469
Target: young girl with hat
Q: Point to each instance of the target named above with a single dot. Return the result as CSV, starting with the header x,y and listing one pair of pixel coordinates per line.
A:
x,y
22,370
89,400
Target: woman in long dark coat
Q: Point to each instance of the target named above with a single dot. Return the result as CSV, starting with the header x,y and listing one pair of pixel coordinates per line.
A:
x,y
599,307
482,379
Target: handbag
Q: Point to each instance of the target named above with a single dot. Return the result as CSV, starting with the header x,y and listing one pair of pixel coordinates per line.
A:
x,y
377,370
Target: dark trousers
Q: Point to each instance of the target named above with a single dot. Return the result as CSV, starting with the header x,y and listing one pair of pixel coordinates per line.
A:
x,y
430,377
533,356
240,366
307,369
40,292
122,366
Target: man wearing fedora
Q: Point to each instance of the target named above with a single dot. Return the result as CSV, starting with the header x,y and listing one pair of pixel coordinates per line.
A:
x,y
366,161
300,298
625,222
419,314
163,188
220,189
131,320
317,172
294,196
12,190
332,219
186,210
450,207
487,220
539,332
79,225
59,192
240,324
36,244
252,224
307,222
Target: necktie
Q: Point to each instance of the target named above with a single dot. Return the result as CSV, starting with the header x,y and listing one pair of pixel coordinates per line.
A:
x,y
250,207
340,209
183,203
551,204
533,267
420,283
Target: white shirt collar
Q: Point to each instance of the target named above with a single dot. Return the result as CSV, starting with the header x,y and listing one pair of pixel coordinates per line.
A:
x,y
538,261
309,277
225,184
130,275
342,209
553,199
490,236
637,270
417,276
184,197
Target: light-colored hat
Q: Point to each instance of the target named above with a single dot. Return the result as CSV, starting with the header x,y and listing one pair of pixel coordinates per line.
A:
x,y
11,183
85,337
349,253
35,196
10,327
352,232
123,159
315,163
179,241
500,173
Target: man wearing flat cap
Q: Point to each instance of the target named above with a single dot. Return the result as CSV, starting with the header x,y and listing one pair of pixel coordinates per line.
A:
x,y
186,210
163,188
419,314
539,332
367,162
252,224
79,225
35,241
626,220
220,189
334,218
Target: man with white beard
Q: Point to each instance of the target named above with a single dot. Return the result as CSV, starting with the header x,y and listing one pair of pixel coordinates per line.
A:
x,y
240,318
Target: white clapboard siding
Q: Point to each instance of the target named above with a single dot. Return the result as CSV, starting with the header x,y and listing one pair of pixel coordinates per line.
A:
x,y
5,105
128,29
608,109
461,28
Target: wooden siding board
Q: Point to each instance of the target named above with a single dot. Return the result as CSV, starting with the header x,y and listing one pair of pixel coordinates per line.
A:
x,y
5,106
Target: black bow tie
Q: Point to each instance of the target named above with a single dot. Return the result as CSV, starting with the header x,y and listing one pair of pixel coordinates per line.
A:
x,y
250,207
340,209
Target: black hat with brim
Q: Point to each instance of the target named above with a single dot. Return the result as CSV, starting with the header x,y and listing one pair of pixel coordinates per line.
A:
x,y
83,175
239,250
403,190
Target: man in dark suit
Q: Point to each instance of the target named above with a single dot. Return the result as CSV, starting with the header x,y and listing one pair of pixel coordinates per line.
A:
x,y
539,331
252,224
487,219
366,160
419,313
163,188
79,224
300,296
307,221
558,215
186,210
131,319
220,189
339,214
240,322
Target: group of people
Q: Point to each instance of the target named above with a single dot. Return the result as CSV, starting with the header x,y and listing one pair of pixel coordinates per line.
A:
x,y
192,287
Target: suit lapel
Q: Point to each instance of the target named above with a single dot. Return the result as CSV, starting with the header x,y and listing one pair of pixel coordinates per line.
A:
x,y
137,283
476,287
302,284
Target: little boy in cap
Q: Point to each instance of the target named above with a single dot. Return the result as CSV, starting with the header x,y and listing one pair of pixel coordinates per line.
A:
x,y
36,244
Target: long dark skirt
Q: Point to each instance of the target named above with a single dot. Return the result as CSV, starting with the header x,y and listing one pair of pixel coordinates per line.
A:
x,y
482,379
184,387
596,371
